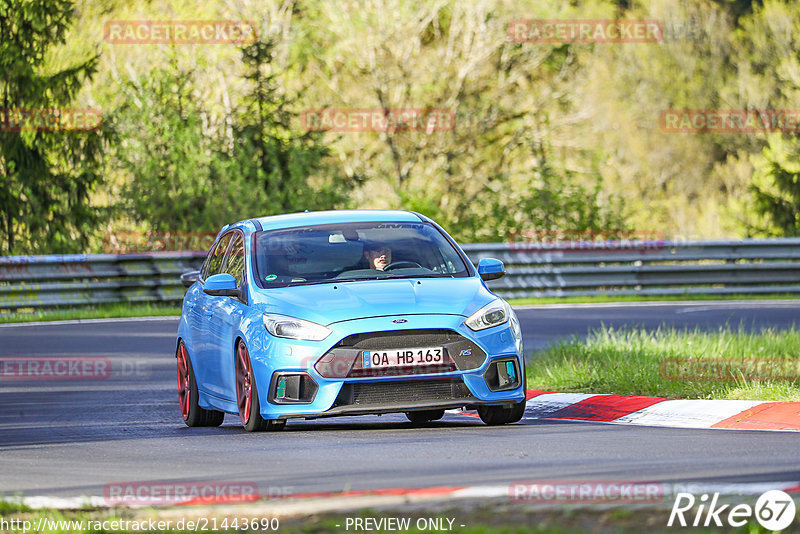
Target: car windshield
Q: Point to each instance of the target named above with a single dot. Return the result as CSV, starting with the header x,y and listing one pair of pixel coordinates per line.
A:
x,y
354,251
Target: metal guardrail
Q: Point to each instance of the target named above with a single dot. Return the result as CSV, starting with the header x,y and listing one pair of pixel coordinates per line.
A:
x,y
78,279
550,269
645,267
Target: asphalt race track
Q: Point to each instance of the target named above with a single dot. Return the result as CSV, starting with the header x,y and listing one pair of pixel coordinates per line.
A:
x,y
71,438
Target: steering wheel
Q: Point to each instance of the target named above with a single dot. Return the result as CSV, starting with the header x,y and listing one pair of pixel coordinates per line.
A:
x,y
396,264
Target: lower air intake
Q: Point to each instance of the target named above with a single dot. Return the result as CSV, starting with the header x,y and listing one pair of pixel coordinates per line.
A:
x,y
385,394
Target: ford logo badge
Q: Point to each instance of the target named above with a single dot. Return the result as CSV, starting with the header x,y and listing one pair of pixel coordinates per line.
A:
x,y
400,321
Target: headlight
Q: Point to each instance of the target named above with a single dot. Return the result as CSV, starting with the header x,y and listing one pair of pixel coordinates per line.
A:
x,y
516,330
495,313
293,328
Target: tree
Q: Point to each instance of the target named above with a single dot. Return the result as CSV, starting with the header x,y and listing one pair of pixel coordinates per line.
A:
x,y
46,177
479,176
189,173
168,158
288,166
776,187
768,68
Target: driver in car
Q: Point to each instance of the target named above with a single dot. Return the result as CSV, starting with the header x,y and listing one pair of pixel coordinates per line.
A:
x,y
378,257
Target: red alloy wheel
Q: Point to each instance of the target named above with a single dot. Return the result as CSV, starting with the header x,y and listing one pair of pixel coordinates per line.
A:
x,y
184,389
244,382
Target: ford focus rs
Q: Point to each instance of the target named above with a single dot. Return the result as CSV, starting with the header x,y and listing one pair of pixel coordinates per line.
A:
x,y
321,314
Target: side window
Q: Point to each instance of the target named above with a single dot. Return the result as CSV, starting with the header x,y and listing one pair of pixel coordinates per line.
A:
x,y
204,268
234,265
214,263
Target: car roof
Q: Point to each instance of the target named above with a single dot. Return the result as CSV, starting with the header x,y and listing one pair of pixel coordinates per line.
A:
x,y
292,220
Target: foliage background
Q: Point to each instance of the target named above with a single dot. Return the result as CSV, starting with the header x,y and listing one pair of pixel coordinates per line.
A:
x,y
547,137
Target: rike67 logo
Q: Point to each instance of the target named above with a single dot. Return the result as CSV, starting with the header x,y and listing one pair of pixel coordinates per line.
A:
x,y
774,510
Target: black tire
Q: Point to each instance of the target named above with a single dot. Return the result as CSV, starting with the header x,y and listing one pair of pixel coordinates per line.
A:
x,y
501,415
193,415
424,416
250,415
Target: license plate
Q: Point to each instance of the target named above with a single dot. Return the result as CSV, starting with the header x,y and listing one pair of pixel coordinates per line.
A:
x,y
394,358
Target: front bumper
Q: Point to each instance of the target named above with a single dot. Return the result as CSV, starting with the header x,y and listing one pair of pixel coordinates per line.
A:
x,y
338,386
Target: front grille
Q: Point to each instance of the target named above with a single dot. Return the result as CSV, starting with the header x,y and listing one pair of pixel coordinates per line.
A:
x,y
387,394
400,339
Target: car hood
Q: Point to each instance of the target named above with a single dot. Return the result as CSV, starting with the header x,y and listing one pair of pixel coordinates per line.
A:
x,y
343,301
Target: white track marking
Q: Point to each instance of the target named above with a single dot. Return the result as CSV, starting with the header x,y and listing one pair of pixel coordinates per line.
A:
x,y
687,413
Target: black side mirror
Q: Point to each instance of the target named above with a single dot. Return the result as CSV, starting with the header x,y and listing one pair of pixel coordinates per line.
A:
x,y
187,279
491,269
221,285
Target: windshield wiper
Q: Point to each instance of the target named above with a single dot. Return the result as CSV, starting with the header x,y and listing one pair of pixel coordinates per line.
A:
x,y
327,281
379,277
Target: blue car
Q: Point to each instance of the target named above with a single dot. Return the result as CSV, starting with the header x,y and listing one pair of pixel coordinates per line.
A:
x,y
322,314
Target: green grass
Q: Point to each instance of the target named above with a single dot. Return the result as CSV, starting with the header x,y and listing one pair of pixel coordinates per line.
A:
x,y
639,298
100,311
8,507
726,364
